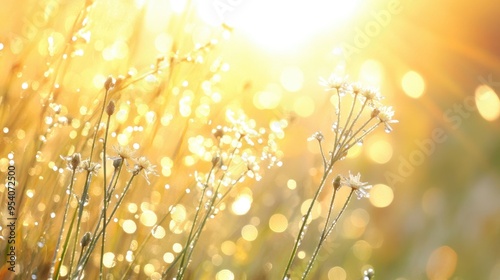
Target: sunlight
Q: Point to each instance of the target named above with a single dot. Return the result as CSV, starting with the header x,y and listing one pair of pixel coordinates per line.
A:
x,y
280,25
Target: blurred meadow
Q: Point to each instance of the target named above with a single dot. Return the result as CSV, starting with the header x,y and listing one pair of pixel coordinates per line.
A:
x,y
204,159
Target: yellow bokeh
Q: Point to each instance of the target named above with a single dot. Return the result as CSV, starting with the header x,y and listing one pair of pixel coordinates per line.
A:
x,y
270,98
242,204
413,84
278,223
292,79
304,106
337,273
380,151
487,103
371,73
249,232
442,263
381,195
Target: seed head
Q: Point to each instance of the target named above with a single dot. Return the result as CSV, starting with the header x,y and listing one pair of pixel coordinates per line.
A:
x,y
86,239
110,109
109,83
336,182
75,160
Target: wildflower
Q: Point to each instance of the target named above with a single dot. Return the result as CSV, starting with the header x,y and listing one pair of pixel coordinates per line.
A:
x,y
124,152
143,164
370,95
317,135
333,82
356,88
359,187
90,167
73,162
385,116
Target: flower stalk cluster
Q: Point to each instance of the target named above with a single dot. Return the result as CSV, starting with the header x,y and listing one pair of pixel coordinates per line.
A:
x,y
364,114
75,164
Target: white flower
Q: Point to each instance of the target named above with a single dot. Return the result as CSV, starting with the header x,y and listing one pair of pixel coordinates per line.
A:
x,y
317,135
385,115
360,188
91,167
333,82
144,165
73,162
370,95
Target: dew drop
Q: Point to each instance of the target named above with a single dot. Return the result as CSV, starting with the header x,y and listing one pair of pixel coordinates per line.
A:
x,y
41,243
86,202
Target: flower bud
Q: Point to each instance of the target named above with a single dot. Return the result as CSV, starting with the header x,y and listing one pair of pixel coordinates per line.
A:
x,y
86,239
375,113
110,109
109,83
218,132
336,182
75,161
117,162
215,160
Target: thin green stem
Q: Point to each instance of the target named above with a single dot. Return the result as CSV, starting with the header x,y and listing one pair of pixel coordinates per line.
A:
x,y
79,219
87,183
198,209
326,231
353,122
59,239
332,225
105,190
192,243
65,245
303,226
98,235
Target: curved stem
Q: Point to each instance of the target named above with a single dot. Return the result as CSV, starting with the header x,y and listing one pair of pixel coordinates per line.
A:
x,y
326,231
302,229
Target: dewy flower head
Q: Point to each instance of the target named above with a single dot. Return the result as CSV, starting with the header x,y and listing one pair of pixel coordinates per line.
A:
x,y
144,165
124,152
317,135
371,95
359,187
90,167
385,116
73,162
333,82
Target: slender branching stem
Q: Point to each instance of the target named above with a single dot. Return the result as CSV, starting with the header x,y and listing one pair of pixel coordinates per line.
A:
x,y
69,192
115,208
327,229
305,219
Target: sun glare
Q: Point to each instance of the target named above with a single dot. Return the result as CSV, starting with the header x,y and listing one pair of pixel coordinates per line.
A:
x,y
280,25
